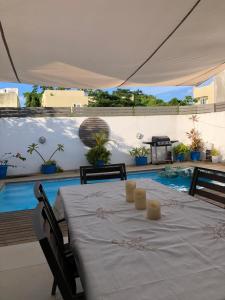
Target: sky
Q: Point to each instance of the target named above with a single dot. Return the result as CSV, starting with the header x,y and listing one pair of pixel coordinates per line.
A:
x,y
165,93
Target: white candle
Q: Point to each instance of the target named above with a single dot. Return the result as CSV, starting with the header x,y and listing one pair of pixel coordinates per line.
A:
x,y
140,198
130,187
153,210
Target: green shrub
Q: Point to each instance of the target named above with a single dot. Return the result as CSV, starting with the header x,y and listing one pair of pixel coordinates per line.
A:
x,y
34,148
50,162
215,152
181,149
99,151
139,151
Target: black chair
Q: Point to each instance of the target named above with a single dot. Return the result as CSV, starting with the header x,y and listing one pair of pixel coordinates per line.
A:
x,y
42,197
113,171
209,184
56,230
63,271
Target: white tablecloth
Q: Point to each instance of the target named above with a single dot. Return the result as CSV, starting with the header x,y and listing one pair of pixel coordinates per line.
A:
x,y
124,256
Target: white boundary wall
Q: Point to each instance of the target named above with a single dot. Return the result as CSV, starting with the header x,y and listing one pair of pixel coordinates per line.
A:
x,y
17,133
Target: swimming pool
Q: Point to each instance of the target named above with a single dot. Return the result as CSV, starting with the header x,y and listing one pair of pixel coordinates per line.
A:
x,y
19,196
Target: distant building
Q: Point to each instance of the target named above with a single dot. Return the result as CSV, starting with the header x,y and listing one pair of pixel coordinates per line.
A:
x,y
9,90
9,97
64,98
213,92
205,94
220,87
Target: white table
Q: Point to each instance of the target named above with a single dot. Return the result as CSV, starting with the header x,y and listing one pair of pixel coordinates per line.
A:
x,y
127,257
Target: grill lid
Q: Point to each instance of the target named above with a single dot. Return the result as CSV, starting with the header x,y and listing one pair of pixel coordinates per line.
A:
x,y
160,138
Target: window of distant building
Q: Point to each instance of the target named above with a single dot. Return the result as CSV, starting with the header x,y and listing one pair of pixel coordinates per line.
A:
x,y
203,100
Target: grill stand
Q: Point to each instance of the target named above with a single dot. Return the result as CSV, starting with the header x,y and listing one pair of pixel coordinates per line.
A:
x,y
153,150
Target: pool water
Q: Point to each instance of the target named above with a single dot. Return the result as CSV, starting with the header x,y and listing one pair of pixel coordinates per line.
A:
x,y
19,196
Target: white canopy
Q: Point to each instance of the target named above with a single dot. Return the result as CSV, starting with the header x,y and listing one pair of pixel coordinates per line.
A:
x,y
108,43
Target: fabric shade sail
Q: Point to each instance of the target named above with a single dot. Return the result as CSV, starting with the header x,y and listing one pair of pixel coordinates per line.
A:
x,y
109,43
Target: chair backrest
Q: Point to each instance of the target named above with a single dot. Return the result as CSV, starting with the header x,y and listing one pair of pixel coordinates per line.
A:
x,y
41,195
113,171
60,268
42,198
209,184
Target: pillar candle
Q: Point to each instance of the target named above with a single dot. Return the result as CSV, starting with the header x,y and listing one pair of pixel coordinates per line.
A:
x,y
140,198
153,210
130,187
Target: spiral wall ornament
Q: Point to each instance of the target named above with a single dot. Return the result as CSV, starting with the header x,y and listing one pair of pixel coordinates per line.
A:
x,y
89,127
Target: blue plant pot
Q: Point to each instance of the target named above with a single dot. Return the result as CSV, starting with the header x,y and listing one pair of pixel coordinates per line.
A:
x,y
48,169
195,155
180,157
3,171
141,160
100,163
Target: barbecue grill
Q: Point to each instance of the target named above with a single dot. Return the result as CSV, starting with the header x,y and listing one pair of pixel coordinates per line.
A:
x,y
161,141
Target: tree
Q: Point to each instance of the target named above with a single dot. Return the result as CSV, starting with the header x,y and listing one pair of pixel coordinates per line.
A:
x,y
150,100
33,98
122,98
189,100
174,101
99,98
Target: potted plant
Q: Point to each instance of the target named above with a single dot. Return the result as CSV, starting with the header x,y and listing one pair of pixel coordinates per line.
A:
x,y
99,155
49,166
180,150
215,153
197,144
140,155
5,162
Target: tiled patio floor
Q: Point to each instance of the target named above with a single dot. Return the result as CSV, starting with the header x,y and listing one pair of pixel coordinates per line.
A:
x,y
24,274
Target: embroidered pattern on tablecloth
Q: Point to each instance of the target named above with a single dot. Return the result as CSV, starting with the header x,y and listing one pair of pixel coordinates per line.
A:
x,y
136,243
217,231
101,212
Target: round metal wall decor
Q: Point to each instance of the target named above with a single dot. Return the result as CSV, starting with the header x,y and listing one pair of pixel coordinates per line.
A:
x,y
91,126
42,140
139,136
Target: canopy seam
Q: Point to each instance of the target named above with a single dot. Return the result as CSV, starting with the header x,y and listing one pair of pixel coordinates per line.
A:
x,y
8,52
162,43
